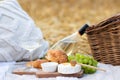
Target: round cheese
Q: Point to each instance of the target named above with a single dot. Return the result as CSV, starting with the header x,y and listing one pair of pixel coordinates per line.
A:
x,y
67,68
49,66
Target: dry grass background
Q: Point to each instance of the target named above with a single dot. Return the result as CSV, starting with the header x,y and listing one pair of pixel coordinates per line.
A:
x,y
59,18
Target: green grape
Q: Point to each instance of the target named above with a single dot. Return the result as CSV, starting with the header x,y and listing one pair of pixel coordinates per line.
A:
x,y
71,58
95,62
85,61
77,54
93,70
90,62
77,58
83,67
80,61
86,71
82,56
89,70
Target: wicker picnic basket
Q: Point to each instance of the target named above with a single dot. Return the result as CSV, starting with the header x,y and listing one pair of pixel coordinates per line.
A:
x,y
104,39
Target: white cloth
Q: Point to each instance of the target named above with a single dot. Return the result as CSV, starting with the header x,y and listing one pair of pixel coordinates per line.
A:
x,y
18,33
113,73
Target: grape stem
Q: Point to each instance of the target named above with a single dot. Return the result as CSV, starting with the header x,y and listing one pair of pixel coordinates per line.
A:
x,y
92,67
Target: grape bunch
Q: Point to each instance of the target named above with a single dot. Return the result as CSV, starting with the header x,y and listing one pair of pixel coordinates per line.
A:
x,y
85,59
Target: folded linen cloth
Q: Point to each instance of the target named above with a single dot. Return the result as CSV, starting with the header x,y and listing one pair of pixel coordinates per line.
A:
x,y
19,36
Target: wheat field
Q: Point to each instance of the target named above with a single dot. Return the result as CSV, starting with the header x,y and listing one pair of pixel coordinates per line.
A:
x,y
60,18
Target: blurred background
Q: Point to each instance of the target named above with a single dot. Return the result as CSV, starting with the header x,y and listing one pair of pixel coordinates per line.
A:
x,y
60,18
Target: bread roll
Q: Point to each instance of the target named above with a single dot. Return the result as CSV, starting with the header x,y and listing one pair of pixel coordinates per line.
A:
x,y
36,63
56,56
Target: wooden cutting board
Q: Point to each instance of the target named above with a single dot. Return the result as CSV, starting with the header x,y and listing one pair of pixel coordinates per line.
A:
x,y
41,74
23,72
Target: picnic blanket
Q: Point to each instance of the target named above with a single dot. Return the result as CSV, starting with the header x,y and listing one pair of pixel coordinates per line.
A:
x,y
112,73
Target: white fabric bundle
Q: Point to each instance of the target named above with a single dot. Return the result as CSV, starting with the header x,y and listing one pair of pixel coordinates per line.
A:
x,y
19,36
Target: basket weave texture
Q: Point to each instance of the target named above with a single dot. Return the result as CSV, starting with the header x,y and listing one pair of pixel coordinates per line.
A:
x,y
104,39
